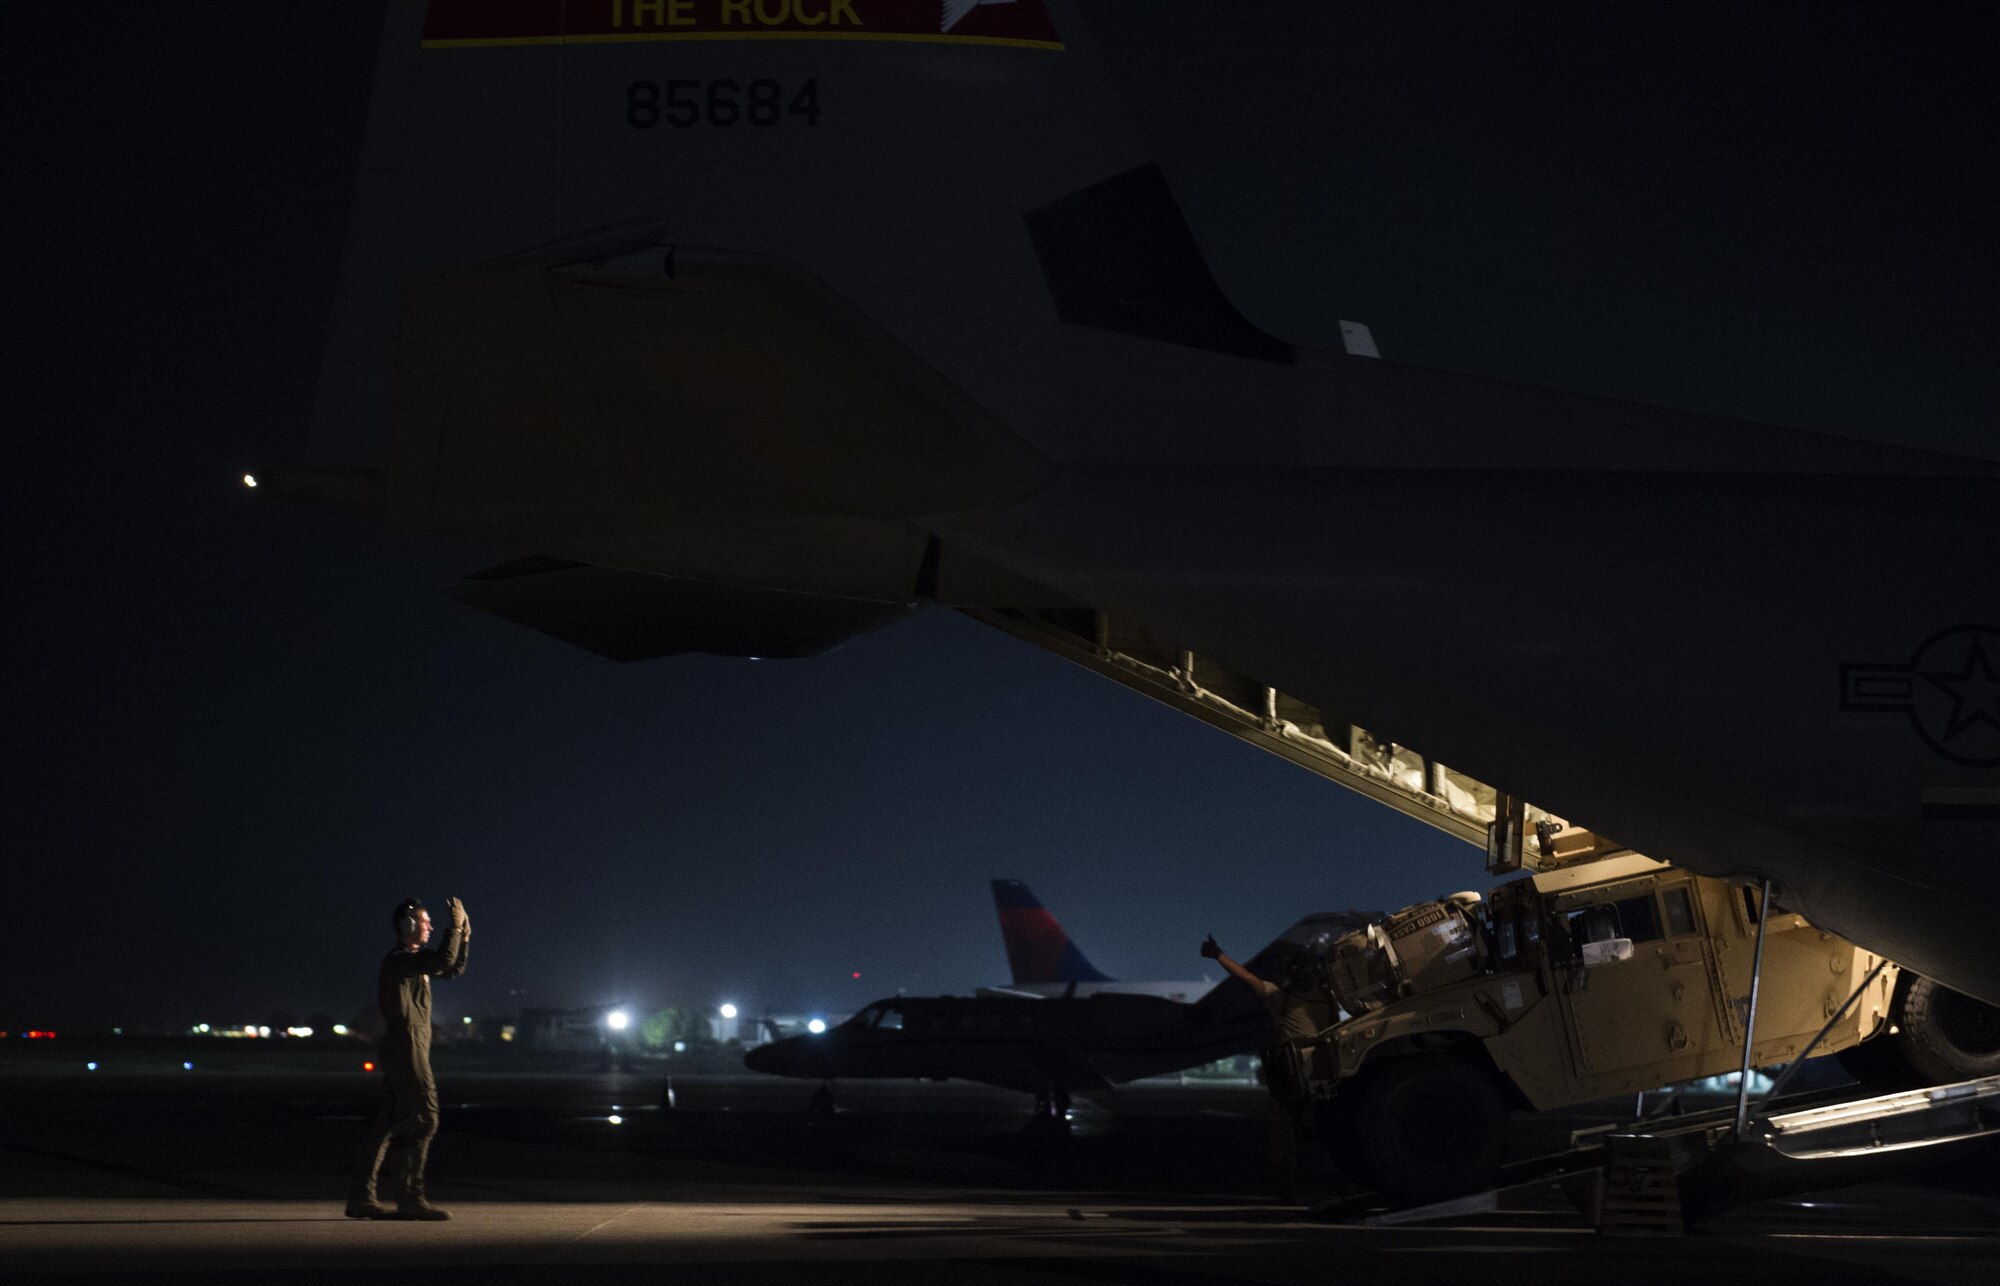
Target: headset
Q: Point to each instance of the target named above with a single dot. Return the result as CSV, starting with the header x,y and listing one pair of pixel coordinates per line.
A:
x,y
404,917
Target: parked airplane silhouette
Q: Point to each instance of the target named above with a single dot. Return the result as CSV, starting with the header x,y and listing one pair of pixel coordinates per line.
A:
x,y
1048,1046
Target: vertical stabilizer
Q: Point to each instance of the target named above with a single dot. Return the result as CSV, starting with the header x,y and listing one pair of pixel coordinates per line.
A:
x,y
1038,951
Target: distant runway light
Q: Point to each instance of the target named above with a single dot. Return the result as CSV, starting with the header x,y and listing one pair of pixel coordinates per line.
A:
x,y
680,1047
616,1020
615,1119
368,1067
816,1026
90,1067
249,480
727,1011
339,1029
187,1067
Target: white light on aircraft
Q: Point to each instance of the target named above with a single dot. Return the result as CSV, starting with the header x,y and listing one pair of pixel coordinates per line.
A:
x,y
816,1026
250,480
727,1011
187,1067
90,1067
340,1029
615,1119
616,1020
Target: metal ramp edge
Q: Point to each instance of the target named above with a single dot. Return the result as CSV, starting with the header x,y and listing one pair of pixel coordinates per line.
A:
x,y
1346,754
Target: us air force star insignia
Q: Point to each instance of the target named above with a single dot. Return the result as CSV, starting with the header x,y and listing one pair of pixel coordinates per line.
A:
x,y
1950,689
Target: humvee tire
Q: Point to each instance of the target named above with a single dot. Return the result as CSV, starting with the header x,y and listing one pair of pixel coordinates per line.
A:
x,y
1940,1036
1426,1127
1947,1035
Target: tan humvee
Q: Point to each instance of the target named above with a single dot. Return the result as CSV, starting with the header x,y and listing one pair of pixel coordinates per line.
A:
x,y
1609,976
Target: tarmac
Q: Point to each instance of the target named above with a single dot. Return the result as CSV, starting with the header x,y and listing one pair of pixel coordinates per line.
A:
x,y
237,1174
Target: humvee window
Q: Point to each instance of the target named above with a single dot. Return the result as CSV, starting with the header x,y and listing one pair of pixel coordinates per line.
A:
x,y
1638,919
1593,924
1680,912
1635,919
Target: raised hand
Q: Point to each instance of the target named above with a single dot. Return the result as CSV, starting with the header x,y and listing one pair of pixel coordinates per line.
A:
x,y
1209,949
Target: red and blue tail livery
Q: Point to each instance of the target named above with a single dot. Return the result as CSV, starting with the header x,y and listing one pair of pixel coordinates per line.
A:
x,y
1038,951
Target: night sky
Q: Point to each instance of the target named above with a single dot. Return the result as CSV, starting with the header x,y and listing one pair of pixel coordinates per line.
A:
x,y
239,730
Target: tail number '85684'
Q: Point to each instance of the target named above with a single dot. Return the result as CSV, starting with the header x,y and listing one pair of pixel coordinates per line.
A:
x,y
720,103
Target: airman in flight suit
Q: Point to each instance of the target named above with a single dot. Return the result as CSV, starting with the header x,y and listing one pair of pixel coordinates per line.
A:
x,y
402,1130
1300,1008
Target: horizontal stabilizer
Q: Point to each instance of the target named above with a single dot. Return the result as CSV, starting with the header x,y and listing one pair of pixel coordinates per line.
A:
x,y
634,616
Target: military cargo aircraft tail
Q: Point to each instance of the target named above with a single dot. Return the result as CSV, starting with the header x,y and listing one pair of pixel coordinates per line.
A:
x,y
753,328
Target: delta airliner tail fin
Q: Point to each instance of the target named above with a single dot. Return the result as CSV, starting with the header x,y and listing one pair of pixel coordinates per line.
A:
x,y
1038,951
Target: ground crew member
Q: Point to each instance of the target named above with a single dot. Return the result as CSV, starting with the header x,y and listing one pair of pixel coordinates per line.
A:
x,y
1299,1009
402,1130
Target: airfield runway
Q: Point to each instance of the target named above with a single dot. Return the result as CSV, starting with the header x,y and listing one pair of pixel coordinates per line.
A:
x,y
237,1173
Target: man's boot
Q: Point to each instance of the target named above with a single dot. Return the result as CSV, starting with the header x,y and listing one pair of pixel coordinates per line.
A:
x,y
361,1202
410,1202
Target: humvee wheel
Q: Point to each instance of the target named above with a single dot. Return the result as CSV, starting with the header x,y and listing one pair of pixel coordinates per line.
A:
x,y
1947,1035
1941,1036
1427,1127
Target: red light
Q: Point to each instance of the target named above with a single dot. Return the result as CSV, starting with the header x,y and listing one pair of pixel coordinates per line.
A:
x,y
857,973
368,1067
